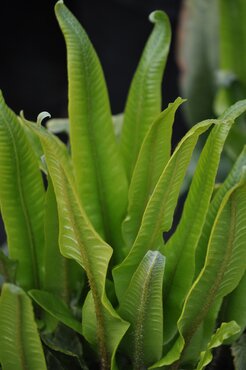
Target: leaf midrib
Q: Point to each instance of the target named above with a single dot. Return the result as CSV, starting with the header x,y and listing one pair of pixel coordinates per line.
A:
x,y
211,296
24,207
87,265
90,130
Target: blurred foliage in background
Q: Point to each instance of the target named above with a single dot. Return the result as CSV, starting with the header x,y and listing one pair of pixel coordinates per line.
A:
x,y
212,59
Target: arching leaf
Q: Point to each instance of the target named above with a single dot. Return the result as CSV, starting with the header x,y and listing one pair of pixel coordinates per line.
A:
x,y
158,215
22,199
223,269
144,98
180,249
100,177
153,157
79,241
142,307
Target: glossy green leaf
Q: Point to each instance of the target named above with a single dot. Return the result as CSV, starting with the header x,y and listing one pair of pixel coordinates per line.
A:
x,y
20,346
79,241
22,200
100,177
62,276
142,307
153,157
225,331
158,215
223,269
181,247
55,307
144,98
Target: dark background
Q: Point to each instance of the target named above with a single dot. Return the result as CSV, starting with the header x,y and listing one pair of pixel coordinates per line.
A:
x,y
33,74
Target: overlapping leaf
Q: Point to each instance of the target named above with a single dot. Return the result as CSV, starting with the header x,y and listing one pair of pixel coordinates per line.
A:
x,y
180,249
153,157
79,241
159,211
20,345
22,199
62,276
142,307
144,98
100,177
231,180
55,307
223,269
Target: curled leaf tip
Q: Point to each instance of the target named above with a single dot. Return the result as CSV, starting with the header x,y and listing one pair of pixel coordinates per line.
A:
x,y
157,15
42,116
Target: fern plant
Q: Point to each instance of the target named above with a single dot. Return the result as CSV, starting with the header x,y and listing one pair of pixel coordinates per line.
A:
x,y
89,281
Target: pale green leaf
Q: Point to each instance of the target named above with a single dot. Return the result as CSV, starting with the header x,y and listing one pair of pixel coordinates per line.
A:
x,y
99,173
20,345
21,199
63,276
153,157
142,307
144,98
58,125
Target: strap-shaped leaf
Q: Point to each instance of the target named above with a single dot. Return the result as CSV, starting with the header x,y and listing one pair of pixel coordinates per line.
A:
x,y
223,269
21,198
225,331
20,345
144,98
55,307
231,180
99,172
62,276
159,211
142,307
153,157
79,241
180,249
